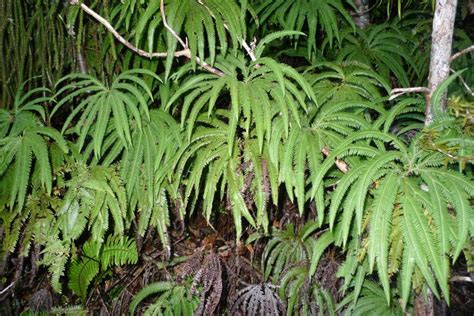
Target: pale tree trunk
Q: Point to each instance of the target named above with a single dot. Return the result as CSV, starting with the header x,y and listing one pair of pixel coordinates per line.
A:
x,y
441,46
362,16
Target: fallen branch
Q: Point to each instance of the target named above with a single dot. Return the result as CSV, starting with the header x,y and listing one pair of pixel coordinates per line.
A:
x,y
463,52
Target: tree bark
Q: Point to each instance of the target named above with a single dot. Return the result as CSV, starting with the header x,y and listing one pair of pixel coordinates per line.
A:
x,y
441,46
362,16
424,307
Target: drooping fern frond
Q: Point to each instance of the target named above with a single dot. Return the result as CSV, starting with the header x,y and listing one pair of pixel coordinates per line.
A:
x,y
371,302
124,101
208,28
208,154
264,92
346,81
382,47
24,145
289,246
301,14
93,195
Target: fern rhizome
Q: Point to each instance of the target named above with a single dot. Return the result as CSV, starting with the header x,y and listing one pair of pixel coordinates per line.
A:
x,y
185,157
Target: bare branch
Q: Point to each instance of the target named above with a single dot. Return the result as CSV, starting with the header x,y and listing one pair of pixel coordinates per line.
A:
x,y
185,52
395,93
341,165
463,52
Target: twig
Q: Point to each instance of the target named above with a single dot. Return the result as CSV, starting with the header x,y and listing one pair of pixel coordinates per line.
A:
x,y
108,26
464,83
341,165
462,279
185,52
202,63
249,51
6,289
246,46
395,93
459,54
168,27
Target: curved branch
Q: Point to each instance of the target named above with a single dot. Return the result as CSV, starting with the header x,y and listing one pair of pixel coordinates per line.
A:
x,y
111,29
185,52
395,93
463,52
202,63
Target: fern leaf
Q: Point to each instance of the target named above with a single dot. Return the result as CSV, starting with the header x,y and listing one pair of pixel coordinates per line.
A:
x,y
81,275
118,251
322,243
382,206
148,290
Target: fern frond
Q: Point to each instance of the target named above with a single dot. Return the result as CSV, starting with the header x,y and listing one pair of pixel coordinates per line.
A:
x,y
380,227
83,271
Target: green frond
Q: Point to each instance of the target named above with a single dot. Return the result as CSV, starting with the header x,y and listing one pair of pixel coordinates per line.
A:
x,y
322,242
148,290
118,251
380,228
313,15
102,105
83,271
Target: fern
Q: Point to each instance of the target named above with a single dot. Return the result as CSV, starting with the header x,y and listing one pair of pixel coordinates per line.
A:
x,y
253,97
404,183
371,302
258,299
121,101
290,246
174,299
382,47
96,257
315,15
209,26
24,145
93,194
346,81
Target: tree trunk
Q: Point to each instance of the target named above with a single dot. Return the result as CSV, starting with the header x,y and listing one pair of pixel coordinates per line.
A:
x,y
424,307
361,16
441,45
